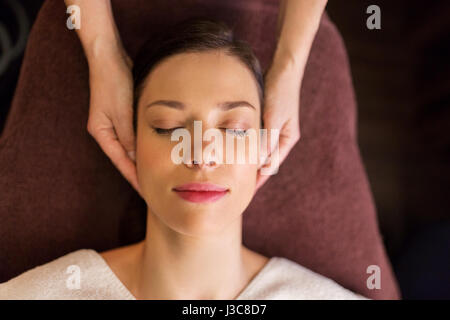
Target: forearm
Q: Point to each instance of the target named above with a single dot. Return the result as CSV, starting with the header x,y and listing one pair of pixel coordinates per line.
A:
x,y
98,33
298,21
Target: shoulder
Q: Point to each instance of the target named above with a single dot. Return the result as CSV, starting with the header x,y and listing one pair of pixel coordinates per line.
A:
x,y
282,278
59,279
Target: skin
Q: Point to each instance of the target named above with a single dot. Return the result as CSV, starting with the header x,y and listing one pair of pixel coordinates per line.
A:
x,y
191,250
111,112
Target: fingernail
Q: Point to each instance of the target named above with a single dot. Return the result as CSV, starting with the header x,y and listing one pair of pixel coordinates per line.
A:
x,y
132,155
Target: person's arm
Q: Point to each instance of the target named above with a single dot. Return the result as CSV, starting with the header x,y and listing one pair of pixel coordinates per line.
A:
x,y
98,33
111,85
298,22
297,25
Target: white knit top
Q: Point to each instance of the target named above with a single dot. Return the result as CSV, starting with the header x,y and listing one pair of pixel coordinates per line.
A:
x,y
85,275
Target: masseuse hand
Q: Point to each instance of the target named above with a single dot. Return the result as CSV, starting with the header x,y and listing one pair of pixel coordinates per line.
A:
x,y
298,22
281,109
111,109
110,119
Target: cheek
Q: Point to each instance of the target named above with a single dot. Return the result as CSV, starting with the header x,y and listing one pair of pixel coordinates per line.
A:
x,y
153,163
245,174
244,183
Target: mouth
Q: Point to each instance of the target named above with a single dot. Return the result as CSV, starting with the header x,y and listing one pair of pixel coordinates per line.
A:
x,y
200,192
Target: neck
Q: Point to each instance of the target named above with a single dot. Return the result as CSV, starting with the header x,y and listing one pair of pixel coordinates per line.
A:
x,y
173,265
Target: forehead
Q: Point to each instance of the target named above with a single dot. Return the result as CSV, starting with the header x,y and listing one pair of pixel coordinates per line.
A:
x,y
208,76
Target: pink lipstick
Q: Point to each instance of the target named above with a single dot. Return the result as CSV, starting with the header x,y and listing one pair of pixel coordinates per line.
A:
x,y
200,192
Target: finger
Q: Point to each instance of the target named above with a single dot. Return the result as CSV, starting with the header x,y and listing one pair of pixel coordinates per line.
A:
x,y
108,141
268,169
265,158
273,127
286,143
260,180
284,148
123,126
289,136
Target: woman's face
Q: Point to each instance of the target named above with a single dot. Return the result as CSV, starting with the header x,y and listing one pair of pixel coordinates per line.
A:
x,y
196,84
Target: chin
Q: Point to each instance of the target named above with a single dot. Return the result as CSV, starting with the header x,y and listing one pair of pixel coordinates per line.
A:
x,y
199,221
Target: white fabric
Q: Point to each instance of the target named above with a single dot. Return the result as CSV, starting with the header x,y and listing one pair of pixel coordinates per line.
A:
x,y
280,278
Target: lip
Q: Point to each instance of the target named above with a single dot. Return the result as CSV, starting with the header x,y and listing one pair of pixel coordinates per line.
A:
x,y
200,192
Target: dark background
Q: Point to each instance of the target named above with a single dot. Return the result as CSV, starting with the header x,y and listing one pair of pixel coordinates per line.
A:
x,y
401,76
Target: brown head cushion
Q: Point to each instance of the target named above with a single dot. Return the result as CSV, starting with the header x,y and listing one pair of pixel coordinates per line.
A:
x,y
60,192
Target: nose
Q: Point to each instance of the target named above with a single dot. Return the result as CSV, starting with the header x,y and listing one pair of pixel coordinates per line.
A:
x,y
201,165
202,157
201,160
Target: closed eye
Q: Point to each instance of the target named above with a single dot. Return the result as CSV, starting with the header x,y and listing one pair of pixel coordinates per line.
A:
x,y
236,132
162,131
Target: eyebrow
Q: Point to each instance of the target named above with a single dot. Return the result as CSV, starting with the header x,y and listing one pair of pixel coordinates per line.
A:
x,y
226,105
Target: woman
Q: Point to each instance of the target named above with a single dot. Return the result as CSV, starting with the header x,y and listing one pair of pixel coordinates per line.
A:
x,y
196,71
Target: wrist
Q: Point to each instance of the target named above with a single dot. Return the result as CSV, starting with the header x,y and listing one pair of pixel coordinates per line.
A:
x,y
98,33
289,60
102,48
99,46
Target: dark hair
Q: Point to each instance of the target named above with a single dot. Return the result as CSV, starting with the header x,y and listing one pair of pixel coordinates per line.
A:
x,y
192,35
